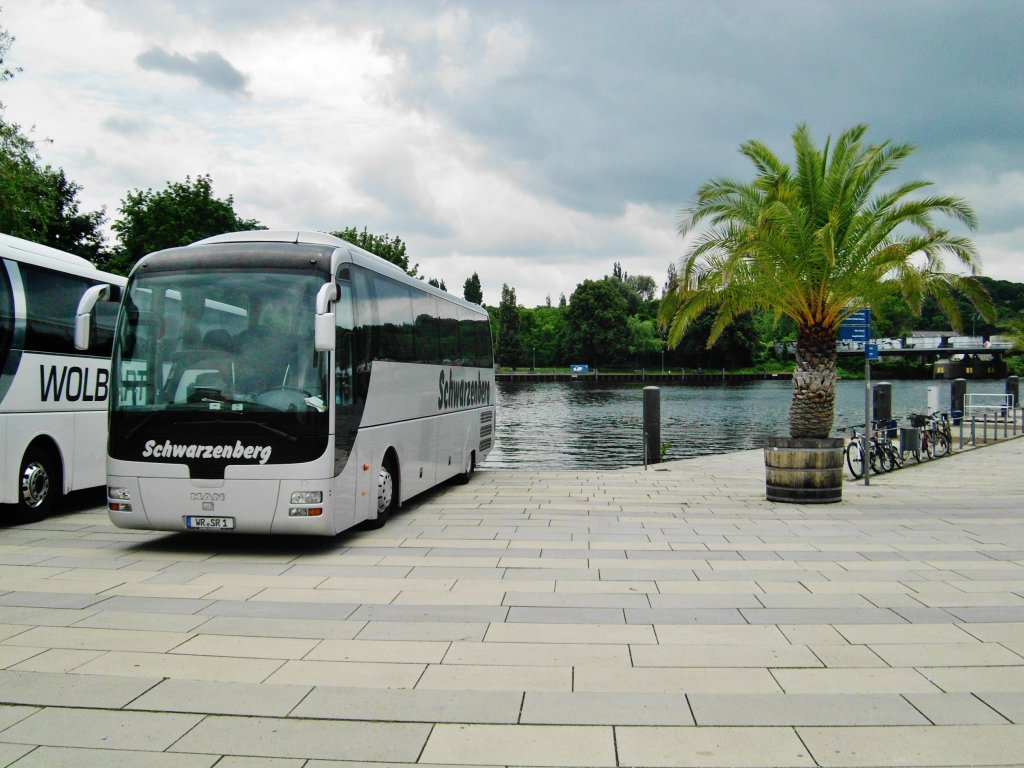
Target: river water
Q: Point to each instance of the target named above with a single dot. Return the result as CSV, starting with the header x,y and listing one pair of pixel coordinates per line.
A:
x,y
587,425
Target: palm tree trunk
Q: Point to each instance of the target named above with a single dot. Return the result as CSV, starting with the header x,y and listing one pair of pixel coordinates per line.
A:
x,y
812,409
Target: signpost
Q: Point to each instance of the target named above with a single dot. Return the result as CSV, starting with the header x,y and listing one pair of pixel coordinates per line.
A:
x,y
857,327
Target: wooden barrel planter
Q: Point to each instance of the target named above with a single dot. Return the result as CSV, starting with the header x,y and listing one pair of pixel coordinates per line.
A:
x,y
804,470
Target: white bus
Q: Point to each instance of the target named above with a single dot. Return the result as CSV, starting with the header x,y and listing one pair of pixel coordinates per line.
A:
x,y
53,398
289,382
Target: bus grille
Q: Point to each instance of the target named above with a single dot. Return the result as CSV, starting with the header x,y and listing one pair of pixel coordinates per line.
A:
x,y
486,430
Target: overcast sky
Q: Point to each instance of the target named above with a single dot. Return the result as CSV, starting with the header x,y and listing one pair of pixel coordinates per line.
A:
x,y
535,143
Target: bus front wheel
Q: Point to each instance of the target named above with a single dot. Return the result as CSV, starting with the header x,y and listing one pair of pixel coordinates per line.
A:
x,y
38,485
387,491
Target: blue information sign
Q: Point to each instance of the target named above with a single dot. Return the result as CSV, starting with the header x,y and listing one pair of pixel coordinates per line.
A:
x,y
860,317
856,327
854,332
871,351
579,368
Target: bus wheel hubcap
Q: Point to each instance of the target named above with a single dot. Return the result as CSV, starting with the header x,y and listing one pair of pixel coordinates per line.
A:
x,y
35,484
385,490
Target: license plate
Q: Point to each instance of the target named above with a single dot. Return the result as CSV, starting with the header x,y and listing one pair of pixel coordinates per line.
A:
x,y
209,523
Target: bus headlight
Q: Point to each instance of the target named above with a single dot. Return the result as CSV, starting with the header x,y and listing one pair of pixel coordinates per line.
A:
x,y
118,498
307,497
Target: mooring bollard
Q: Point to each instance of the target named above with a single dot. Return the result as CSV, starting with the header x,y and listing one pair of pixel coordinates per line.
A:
x,y
652,424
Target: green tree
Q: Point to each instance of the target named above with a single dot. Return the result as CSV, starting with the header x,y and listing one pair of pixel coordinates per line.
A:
x,y
71,230
472,290
37,202
510,349
598,323
643,339
816,243
385,246
26,200
437,283
545,331
177,215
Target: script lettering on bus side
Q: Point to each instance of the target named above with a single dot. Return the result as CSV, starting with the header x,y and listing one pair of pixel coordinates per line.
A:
x,y
169,450
73,384
462,393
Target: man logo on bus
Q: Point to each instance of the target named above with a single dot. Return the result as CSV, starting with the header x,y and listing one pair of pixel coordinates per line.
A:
x,y
462,393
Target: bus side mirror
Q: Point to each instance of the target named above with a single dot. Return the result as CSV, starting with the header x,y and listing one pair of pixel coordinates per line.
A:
x,y
324,330
83,315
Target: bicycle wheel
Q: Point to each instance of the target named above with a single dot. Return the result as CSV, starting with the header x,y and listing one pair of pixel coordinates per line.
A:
x,y
886,457
941,444
897,457
855,458
876,459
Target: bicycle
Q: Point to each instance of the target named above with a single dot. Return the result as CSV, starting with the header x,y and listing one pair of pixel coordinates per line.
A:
x,y
881,459
889,457
940,435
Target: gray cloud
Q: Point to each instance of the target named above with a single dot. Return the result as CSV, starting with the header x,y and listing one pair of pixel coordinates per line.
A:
x,y
644,101
209,68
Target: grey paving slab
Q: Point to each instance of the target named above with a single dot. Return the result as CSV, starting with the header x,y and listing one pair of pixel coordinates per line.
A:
x,y
279,610
94,691
711,747
579,708
9,715
66,757
9,753
429,613
310,739
988,745
100,729
1008,704
959,709
424,706
22,599
715,709
526,745
422,630
566,615
222,698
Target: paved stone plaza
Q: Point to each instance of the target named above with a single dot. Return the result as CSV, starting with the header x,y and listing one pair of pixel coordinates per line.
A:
x,y
631,618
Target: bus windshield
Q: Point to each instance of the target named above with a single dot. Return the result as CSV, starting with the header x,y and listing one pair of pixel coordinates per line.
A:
x,y
220,347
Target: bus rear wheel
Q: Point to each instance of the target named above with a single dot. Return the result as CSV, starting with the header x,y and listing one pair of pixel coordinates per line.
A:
x,y
463,477
38,485
387,491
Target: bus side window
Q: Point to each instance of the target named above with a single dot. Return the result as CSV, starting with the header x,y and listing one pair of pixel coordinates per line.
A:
x,y
6,315
428,348
451,350
344,368
52,300
367,338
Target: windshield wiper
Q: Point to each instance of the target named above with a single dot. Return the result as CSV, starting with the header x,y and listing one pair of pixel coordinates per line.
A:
x,y
250,422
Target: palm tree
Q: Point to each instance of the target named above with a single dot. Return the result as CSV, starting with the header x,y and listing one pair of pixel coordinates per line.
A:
x,y
816,243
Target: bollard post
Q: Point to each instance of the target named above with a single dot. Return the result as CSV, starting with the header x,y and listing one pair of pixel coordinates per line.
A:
x,y
652,424
957,394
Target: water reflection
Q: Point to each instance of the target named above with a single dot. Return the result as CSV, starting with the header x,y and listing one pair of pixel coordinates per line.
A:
x,y
587,425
